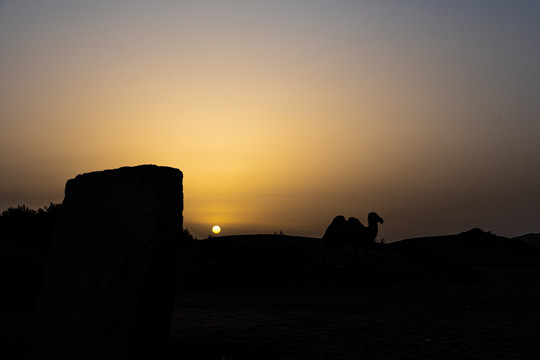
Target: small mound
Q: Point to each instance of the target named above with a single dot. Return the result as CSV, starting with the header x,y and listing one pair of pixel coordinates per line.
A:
x,y
531,239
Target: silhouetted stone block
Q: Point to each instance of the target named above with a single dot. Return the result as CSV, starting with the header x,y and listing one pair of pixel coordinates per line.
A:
x,y
108,290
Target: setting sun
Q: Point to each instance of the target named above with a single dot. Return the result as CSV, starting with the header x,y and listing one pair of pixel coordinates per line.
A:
x,y
216,229
282,115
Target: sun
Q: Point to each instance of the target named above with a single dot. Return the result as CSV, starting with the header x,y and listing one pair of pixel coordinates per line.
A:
x,y
216,229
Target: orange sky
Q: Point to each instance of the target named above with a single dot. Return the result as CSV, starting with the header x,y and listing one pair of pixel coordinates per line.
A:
x,y
282,114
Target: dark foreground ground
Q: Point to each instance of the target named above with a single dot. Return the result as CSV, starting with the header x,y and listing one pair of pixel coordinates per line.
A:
x,y
271,297
459,298
498,318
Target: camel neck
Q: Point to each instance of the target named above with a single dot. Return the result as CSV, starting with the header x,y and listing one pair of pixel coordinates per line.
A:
x,y
372,227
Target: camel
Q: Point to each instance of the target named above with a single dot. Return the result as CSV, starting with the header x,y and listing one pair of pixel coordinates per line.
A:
x,y
351,232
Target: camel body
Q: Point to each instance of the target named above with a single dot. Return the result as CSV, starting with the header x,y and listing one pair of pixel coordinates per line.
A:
x,y
351,232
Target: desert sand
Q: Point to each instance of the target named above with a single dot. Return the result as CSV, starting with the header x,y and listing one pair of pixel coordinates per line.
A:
x,y
395,306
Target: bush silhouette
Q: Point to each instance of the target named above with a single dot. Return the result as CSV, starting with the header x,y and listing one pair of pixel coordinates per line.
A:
x,y
25,239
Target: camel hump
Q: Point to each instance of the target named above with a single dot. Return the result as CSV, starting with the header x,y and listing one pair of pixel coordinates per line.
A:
x,y
340,219
335,227
355,228
352,221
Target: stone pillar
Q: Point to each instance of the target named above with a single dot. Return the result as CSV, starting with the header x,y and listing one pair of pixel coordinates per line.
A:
x,y
109,285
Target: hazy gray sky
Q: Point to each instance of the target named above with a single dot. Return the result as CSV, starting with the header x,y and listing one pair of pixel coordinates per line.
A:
x,y
282,114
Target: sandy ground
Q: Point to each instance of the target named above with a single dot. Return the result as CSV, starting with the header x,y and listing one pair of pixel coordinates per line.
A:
x,y
393,310
497,318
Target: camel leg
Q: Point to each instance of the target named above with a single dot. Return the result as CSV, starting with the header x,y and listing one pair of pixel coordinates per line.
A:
x,y
337,251
325,250
367,255
340,254
356,255
324,253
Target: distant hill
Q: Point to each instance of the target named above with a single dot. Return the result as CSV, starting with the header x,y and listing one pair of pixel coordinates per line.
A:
x,y
532,239
475,247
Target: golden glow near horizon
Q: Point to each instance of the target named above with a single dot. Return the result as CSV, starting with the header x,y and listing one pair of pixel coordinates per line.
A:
x,y
216,229
281,115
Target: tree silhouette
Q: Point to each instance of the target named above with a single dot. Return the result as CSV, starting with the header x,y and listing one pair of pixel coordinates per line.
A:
x,y
25,238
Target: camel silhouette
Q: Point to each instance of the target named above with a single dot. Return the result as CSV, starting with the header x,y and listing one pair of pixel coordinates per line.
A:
x,y
351,232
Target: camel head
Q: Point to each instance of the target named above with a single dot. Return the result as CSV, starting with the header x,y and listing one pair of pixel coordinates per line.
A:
x,y
373,218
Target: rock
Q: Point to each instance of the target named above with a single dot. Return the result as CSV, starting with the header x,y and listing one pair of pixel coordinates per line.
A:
x,y
109,285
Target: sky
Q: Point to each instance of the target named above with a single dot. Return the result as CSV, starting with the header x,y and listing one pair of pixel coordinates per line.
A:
x,y
282,114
